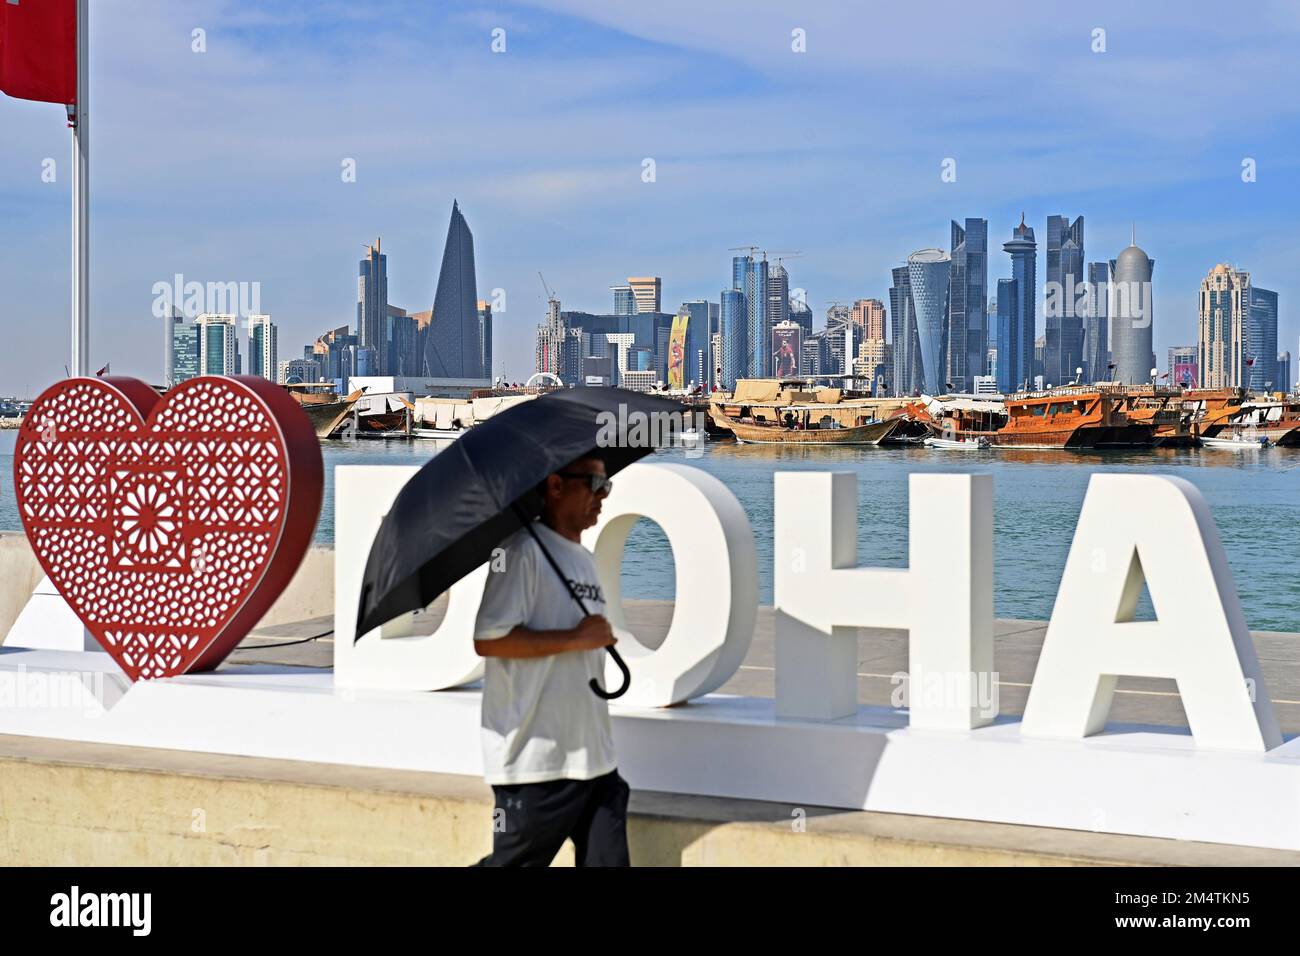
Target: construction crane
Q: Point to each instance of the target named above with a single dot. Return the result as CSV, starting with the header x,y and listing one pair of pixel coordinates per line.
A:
x,y
783,254
550,295
750,249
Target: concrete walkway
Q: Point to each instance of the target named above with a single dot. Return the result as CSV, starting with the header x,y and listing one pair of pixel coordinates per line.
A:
x,y
881,654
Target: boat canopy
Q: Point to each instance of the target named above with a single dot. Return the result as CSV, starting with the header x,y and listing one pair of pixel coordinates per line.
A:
x,y
755,390
973,405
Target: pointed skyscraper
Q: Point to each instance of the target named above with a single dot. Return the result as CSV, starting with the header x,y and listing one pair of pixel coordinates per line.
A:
x,y
452,348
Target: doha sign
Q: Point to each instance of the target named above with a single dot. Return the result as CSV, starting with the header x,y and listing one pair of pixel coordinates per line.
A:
x,y
1133,529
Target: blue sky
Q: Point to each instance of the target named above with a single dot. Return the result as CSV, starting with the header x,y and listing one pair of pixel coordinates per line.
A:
x,y
225,165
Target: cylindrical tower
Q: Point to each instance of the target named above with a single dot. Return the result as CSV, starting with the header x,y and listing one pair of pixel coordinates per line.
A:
x,y
1131,314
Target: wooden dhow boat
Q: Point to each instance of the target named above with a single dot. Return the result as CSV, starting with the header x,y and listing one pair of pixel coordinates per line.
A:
x,y
775,411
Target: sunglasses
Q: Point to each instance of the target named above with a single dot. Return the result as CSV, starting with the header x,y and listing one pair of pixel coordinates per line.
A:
x,y
600,484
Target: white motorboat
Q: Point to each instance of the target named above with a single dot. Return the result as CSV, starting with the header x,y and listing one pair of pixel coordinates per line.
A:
x,y
1238,441
958,444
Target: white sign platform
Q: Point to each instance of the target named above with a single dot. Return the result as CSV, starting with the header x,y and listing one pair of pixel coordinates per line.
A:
x,y
1142,781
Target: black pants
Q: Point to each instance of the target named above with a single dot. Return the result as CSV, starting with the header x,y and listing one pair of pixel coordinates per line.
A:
x,y
531,821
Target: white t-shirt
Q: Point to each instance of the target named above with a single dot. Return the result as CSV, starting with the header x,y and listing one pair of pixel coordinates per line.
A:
x,y
541,720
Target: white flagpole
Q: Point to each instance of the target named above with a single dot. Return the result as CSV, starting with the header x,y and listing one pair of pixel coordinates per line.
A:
x,y
81,201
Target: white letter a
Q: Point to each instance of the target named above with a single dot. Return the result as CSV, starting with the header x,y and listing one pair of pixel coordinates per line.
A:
x,y
1158,528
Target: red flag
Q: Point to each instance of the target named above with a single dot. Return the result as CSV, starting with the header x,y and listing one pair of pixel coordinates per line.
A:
x,y
38,50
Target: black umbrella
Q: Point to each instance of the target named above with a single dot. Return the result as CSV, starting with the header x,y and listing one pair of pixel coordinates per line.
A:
x,y
470,497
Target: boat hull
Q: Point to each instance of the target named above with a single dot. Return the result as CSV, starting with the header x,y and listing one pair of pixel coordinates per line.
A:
x,y
1079,436
328,418
872,433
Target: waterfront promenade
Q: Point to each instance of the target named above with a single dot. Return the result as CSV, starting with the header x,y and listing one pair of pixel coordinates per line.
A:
x,y
882,654
70,802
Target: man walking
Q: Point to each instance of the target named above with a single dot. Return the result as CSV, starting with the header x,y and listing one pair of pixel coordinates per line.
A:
x,y
548,750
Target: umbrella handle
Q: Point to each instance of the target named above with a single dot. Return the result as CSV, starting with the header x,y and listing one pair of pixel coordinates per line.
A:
x,y
627,678
618,659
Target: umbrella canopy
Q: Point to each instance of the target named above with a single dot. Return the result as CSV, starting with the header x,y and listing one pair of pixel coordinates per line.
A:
x,y
470,497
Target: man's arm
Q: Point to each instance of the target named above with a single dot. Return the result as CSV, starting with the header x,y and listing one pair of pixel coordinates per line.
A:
x,y
521,642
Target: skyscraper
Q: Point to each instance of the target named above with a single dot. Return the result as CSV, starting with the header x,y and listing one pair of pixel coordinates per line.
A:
x,y
646,292
485,336
1261,341
1063,328
1096,324
753,279
1016,352
698,324
927,271
624,300
402,340
184,352
734,336
868,315
263,360
1007,370
372,303
550,343
801,315
451,348
903,330
218,344
1132,315
778,295
967,321
1224,314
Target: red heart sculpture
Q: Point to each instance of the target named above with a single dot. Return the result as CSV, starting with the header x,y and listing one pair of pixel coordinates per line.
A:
x,y
169,524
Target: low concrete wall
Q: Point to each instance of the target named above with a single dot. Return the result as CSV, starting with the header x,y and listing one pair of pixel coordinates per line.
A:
x,y
74,804
309,595
19,574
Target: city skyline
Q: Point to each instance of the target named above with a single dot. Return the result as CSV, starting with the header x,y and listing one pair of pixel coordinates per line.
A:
x,y
242,203
946,349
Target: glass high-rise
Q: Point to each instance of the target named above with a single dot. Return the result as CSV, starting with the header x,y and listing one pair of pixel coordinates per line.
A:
x,y
754,288
218,344
1096,324
184,351
451,346
372,303
902,324
1261,341
1063,328
263,360
485,336
927,271
624,300
697,340
1008,302
778,296
734,338
967,332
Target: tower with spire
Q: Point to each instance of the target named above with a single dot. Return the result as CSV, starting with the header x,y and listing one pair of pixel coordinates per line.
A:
x,y
1016,346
